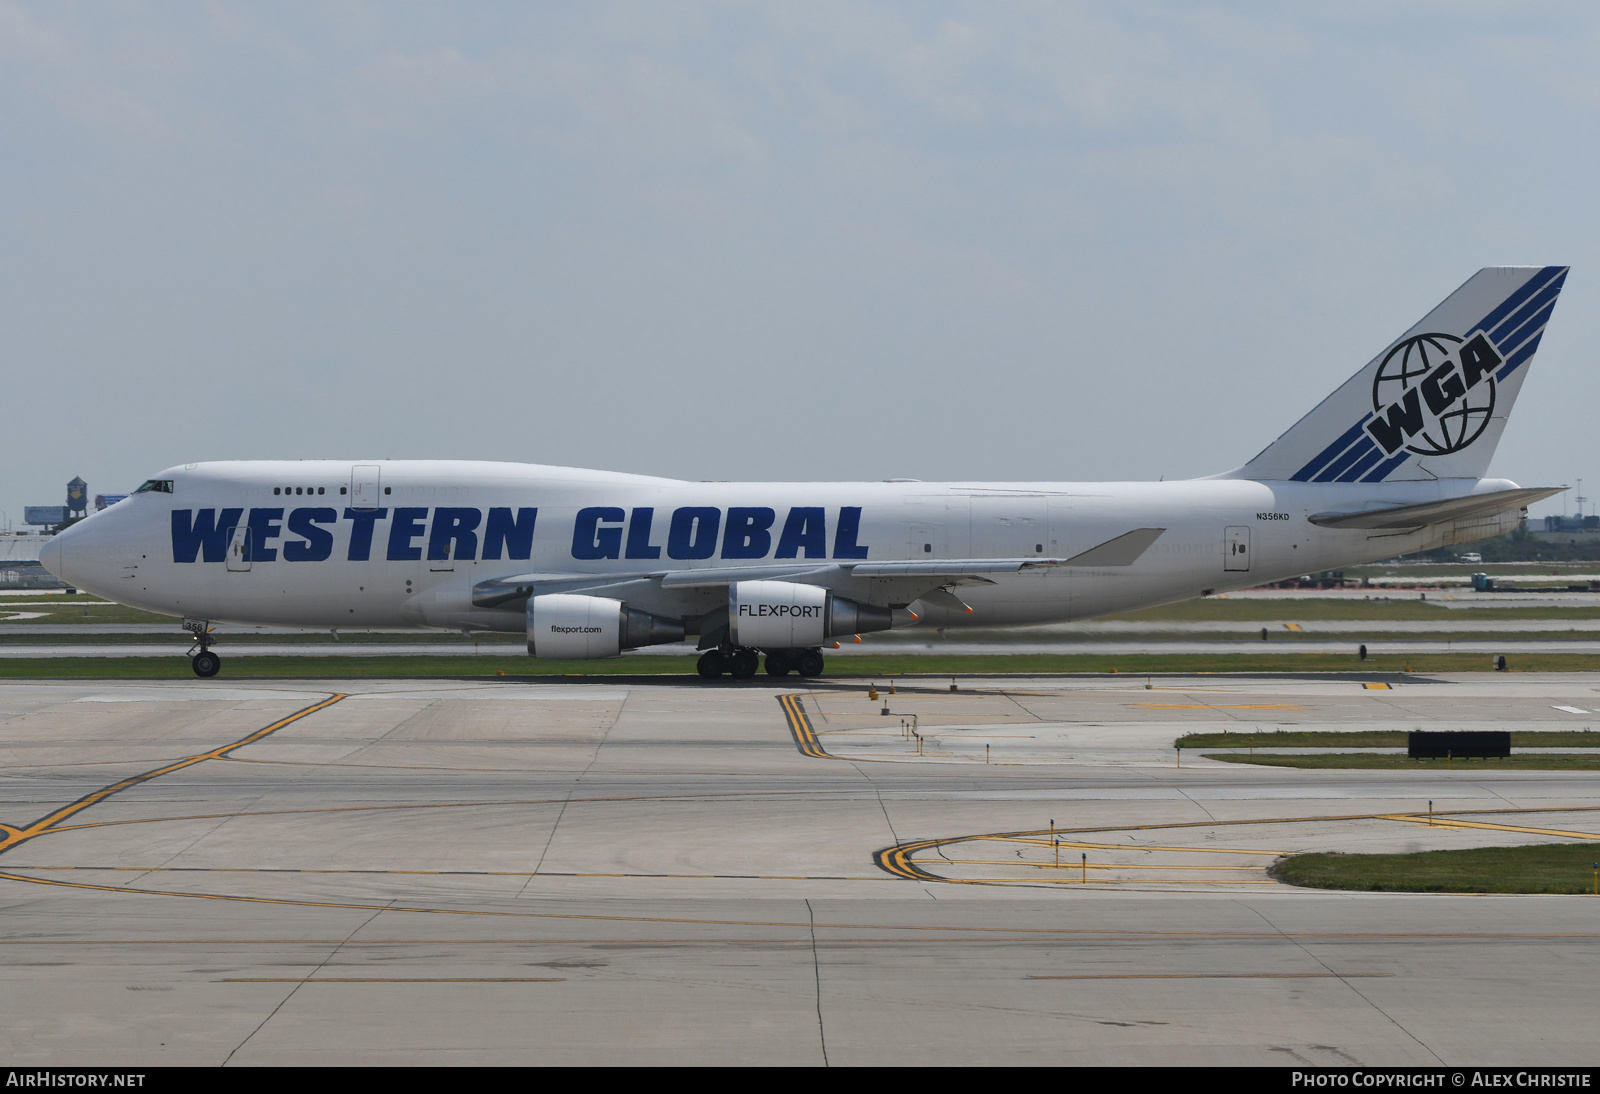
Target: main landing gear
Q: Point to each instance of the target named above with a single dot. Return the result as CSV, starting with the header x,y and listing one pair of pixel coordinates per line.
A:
x,y
741,662
205,663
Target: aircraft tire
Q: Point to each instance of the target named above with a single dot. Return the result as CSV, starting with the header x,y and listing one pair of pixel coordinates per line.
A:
x,y
744,664
711,664
809,663
778,663
206,664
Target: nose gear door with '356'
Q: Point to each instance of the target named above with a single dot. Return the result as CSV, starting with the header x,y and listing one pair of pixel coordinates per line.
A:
x,y
1236,548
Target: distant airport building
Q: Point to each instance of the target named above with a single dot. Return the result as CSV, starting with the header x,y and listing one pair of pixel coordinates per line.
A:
x,y
19,563
1571,524
77,505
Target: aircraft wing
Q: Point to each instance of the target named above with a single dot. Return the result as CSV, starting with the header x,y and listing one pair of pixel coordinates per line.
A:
x,y
908,577
1433,512
502,591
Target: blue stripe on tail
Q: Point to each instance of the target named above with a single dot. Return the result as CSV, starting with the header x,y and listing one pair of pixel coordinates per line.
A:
x,y
1379,473
1515,300
1321,459
1515,326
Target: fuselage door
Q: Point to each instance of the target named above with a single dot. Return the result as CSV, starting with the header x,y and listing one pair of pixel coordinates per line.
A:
x,y
364,486
239,549
1236,548
926,542
1009,525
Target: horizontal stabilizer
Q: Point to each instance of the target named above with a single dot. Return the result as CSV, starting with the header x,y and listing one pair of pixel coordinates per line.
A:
x,y
1122,551
1433,512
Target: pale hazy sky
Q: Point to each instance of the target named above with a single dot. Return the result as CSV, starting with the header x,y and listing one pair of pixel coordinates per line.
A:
x,y
804,240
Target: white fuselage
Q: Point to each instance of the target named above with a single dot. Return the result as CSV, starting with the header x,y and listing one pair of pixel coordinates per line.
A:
x,y
427,532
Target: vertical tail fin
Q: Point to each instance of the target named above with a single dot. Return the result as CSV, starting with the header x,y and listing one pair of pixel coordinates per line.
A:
x,y
1434,403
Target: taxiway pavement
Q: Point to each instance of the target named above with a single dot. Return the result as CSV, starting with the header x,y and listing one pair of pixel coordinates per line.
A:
x,y
577,872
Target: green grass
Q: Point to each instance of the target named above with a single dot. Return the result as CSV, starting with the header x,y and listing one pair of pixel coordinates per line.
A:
x,y
512,663
1301,610
77,608
516,663
1371,738
248,638
1535,868
1548,761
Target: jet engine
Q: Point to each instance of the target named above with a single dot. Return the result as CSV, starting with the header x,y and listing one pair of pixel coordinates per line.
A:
x,y
570,626
786,615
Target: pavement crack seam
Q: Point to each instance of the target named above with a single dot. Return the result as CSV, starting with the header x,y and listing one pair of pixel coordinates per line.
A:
x,y
11,837
562,812
1197,804
1301,946
816,969
302,983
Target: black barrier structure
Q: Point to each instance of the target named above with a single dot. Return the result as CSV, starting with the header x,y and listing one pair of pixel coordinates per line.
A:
x,y
1484,744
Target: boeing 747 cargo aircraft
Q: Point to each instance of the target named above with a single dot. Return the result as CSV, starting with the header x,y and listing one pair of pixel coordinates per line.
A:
x,y
591,563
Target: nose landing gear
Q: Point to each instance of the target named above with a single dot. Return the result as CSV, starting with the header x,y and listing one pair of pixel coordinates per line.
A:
x,y
205,663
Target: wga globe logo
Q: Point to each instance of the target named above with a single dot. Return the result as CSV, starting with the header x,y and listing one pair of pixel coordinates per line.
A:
x,y
1434,394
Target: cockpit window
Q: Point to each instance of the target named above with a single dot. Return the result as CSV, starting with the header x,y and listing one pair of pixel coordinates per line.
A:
x,y
155,486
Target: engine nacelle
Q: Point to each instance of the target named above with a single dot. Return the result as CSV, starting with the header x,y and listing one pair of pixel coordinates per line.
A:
x,y
570,626
787,614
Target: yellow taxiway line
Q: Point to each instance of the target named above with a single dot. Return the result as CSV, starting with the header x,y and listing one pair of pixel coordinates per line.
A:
x,y
10,836
805,738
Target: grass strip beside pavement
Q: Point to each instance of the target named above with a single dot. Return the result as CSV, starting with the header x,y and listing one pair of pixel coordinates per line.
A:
x,y
1533,868
1372,738
1311,609
78,609
514,663
1528,761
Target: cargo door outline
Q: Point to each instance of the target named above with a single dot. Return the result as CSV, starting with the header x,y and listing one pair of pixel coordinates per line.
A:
x,y
1008,526
239,549
1236,548
365,482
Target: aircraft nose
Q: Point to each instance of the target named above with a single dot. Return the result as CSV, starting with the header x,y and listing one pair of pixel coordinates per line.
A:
x,y
52,556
